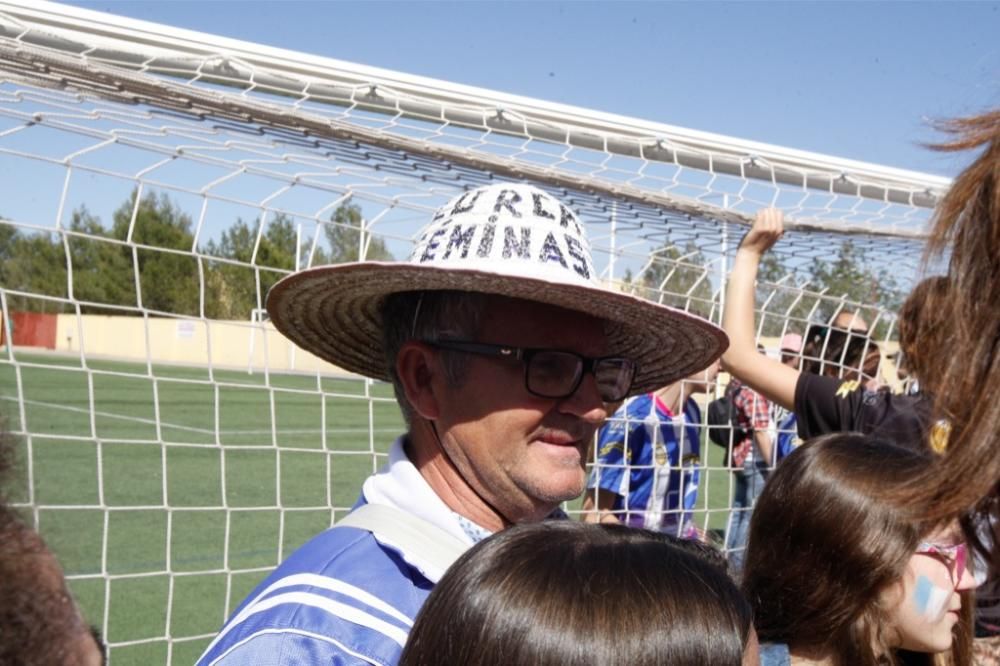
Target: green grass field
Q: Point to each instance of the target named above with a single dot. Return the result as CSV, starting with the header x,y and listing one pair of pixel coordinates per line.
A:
x,y
168,493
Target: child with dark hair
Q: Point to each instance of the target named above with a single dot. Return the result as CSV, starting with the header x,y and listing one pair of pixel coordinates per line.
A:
x,y
561,593
840,574
923,323
40,623
39,620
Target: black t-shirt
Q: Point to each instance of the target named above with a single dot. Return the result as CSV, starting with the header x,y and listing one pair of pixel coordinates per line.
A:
x,y
825,405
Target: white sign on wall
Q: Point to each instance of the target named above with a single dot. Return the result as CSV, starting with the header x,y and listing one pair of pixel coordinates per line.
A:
x,y
185,330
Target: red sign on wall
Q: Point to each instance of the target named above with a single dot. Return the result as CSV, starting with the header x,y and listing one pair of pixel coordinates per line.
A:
x,y
31,329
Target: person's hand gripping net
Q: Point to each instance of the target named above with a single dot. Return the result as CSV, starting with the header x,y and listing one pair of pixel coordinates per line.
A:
x,y
768,226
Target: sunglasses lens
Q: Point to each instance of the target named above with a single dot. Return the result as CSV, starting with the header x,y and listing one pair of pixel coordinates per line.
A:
x,y
614,378
554,374
956,557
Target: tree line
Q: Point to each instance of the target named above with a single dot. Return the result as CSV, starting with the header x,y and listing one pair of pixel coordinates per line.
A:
x,y
678,277
224,279
228,278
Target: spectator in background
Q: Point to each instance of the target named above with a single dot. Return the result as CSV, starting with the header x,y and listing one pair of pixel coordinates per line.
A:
x,y
850,321
503,351
847,354
40,623
791,350
839,573
923,325
785,435
750,461
648,454
822,404
562,592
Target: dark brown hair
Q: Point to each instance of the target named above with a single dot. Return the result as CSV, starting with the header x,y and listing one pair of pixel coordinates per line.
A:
x,y
924,327
826,540
568,593
37,615
429,315
39,620
966,364
838,352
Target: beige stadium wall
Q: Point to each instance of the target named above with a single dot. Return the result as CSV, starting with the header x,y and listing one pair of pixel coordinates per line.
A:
x,y
219,344
236,344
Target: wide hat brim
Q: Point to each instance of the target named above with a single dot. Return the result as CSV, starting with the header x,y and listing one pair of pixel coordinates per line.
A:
x,y
334,312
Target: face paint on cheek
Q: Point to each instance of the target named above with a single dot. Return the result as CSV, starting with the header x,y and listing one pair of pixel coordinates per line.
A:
x,y
928,598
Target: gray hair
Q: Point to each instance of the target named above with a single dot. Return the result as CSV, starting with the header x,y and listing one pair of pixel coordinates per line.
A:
x,y
429,315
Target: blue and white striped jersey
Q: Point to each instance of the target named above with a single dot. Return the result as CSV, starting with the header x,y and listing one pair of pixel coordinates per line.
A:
x,y
787,438
343,597
650,459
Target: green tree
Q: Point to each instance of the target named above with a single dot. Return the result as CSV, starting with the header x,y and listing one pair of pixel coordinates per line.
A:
x,y
7,234
168,281
33,263
676,278
771,268
779,297
344,236
851,276
234,287
8,241
102,270
277,245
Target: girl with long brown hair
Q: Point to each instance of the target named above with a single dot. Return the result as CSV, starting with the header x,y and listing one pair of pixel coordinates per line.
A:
x,y
839,574
966,362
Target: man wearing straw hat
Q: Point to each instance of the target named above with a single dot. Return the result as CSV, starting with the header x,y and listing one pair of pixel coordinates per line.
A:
x,y
503,351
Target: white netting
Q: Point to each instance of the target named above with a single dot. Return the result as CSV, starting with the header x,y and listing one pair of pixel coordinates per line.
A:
x,y
155,187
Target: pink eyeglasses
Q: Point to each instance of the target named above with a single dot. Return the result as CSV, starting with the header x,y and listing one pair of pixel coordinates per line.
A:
x,y
954,557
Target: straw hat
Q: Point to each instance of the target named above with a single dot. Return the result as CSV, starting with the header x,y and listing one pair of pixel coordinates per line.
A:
x,y
508,239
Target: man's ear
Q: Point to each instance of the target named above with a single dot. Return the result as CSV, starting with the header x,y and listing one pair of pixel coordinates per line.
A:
x,y
417,365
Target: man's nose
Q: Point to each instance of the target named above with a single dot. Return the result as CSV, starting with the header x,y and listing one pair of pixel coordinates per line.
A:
x,y
586,402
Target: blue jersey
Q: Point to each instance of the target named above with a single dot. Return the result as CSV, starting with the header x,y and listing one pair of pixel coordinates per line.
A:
x,y
344,597
787,436
649,459
340,599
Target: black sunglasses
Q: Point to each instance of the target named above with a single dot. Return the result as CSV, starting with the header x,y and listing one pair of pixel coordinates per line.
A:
x,y
553,373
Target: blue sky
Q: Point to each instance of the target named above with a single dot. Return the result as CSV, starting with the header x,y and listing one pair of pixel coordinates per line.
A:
x,y
856,80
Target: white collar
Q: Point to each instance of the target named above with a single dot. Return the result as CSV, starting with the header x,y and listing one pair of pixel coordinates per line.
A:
x,y
399,485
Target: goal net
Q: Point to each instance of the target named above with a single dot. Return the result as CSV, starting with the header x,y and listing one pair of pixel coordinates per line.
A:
x,y
157,182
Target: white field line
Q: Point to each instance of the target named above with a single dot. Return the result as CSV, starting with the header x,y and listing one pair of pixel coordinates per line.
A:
x,y
202,431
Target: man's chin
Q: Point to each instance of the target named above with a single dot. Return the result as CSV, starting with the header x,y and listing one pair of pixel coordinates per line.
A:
x,y
564,492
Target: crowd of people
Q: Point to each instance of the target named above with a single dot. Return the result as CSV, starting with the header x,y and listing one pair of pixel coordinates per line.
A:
x,y
862,519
